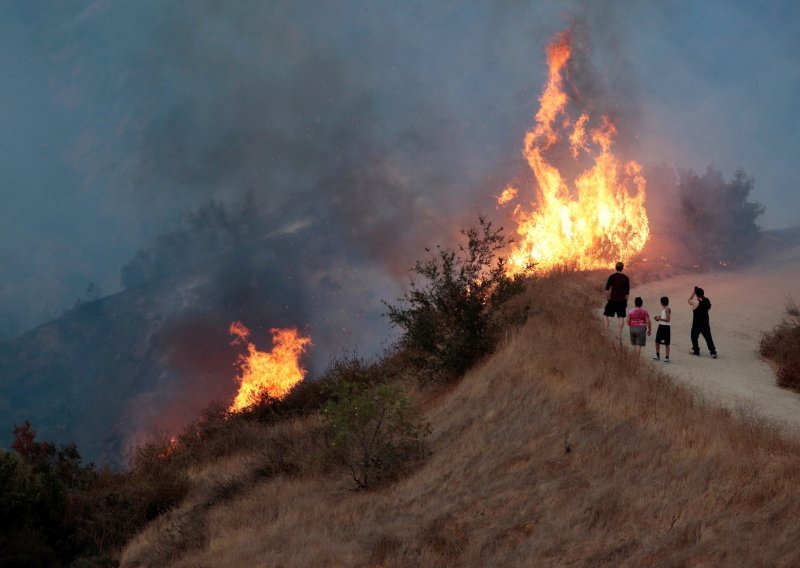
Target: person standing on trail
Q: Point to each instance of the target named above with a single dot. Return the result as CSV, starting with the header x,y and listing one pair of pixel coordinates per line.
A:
x,y
618,287
663,332
700,322
639,322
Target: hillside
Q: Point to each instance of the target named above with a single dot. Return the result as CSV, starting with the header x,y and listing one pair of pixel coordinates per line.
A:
x,y
150,358
558,450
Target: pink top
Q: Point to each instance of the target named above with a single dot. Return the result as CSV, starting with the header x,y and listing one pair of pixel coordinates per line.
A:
x,y
638,317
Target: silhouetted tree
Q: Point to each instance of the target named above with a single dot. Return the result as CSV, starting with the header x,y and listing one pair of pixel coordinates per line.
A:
x,y
207,231
718,221
448,315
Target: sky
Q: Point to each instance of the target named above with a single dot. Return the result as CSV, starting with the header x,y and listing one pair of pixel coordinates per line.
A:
x,y
379,126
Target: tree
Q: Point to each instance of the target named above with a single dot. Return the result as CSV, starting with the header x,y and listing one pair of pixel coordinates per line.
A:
x,y
448,316
373,431
720,222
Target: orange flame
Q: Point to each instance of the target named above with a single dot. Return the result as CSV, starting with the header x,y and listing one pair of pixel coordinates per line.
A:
x,y
508,194
600,219
273,373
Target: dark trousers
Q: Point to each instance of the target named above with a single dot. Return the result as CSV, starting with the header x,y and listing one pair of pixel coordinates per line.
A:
x,y
705,331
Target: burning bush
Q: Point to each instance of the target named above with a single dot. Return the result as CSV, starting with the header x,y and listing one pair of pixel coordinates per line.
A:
x,y
373,431
449,319
782,346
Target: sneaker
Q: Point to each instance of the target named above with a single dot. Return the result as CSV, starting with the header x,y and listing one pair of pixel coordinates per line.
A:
x,y
656,358
714,356
666,360
695,353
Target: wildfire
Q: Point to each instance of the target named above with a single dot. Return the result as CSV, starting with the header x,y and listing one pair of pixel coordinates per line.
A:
x,y
600,218
508,194
273,373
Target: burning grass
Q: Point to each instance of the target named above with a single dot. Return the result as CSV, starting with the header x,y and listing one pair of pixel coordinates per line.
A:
x,y
559,449
781,346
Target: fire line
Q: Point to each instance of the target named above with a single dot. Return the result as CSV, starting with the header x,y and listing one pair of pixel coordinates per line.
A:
x,y
271,373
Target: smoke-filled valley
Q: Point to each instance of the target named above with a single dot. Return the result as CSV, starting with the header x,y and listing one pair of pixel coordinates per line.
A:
x,y
283,166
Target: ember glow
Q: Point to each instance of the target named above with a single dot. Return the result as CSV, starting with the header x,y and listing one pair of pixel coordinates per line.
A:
x,y
600,217
271,373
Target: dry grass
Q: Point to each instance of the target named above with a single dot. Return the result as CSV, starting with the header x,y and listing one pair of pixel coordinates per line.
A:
x,y
560,450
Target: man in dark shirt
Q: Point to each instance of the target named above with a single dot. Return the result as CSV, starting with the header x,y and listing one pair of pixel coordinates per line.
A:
x,y
700,322
618,287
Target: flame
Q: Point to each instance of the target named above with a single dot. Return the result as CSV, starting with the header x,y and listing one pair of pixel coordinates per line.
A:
x,y
273,373
598,220
508,194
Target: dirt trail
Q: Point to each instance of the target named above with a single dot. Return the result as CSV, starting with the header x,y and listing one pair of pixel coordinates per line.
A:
x,y
745,303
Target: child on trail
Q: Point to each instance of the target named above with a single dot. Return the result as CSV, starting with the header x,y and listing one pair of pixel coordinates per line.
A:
x,y
639,323
663,331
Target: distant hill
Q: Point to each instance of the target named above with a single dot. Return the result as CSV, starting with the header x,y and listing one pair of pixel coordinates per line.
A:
x,y
149,358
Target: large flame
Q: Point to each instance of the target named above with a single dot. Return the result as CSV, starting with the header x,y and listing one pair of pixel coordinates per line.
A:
x,y
273,373
601,218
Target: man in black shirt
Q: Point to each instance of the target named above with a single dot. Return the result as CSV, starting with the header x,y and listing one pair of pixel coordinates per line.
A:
x,y
700,322
618,287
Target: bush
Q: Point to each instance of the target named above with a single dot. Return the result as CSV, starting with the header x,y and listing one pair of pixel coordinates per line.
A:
x,y
31,510
449,318
372,431
53,509
781,345
159,481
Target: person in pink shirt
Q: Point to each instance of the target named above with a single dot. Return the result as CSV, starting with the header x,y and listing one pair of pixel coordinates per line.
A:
x,y
639,324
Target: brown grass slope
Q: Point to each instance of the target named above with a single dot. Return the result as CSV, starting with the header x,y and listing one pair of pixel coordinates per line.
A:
x,y
560,450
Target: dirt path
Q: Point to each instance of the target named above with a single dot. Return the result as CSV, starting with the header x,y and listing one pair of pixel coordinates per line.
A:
x,y
745,303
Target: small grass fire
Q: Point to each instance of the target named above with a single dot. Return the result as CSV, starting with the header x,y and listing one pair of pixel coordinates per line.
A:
x,y
271,373
598,220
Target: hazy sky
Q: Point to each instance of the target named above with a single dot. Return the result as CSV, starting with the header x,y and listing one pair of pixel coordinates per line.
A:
x,y
116,117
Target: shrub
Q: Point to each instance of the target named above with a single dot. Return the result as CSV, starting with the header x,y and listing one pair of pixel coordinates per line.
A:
x,y
53,510
160,483
372,431
31,510
781,345
448,317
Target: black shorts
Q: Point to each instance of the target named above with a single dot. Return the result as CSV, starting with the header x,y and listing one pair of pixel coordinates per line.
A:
x,y
662,335
615,307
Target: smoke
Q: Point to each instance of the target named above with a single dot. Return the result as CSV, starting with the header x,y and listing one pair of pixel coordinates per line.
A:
x,y
280,163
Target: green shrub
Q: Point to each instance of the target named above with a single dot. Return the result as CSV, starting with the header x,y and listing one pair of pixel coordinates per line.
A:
x,y
448,317
373,431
